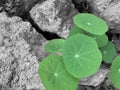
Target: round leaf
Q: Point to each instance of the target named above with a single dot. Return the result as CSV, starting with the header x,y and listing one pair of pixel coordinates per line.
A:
x,y
54,75
108,52
115,72
91,23
100,39
75,30
54,45
81,56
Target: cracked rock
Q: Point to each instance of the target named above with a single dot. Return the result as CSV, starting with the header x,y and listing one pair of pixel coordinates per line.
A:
x,y
109,10
54,16
21,49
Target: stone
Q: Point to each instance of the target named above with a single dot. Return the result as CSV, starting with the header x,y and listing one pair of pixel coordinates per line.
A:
x,y
109,10
54,16
17,7
96,79
21,49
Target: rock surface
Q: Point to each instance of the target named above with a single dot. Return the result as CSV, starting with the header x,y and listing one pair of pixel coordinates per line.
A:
x,y
19,57
17,7
108,10
54,16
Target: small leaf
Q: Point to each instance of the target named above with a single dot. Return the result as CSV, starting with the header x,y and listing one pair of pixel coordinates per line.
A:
x,y
90,23
108,52
100,39
75,30
81,56
115,72
54,45
54,75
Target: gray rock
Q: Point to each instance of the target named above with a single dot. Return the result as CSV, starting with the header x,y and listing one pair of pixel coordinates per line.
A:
x,y
109,10
54,16
21,49
3,87
17,7
96,79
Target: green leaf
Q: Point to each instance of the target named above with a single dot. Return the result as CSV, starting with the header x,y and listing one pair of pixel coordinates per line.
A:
x,y
75,30
54,45
100,39
54,75
115,72
91,23
108,52
81,56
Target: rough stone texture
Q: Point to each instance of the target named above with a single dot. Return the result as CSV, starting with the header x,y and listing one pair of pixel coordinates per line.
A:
x,y
96,79
106,85
21,49
108,10
54,16
17,7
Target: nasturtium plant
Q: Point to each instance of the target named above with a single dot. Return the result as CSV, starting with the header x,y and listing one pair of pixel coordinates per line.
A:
x,y
100,39
81,56
90,23
54,75
115,72
55,45
108,52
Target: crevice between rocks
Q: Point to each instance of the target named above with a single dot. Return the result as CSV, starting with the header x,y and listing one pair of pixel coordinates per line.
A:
x,y
47,35
82,5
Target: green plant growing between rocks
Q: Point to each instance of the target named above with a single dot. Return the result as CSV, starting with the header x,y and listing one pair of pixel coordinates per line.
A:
x,y
79,55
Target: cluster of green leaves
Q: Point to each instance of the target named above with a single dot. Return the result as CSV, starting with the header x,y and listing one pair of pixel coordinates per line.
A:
x,y
79,55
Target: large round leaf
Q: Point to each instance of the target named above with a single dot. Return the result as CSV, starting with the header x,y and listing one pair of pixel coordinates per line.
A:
x,y
100,39
81,56
115,72
108,52
91,23
54,75
54,45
